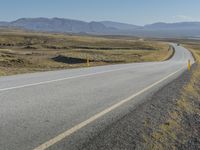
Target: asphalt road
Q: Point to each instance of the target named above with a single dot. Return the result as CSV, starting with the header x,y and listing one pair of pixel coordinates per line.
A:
x,y
58,109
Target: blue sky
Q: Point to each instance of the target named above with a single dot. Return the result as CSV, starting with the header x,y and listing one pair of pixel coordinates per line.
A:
x,y
129,11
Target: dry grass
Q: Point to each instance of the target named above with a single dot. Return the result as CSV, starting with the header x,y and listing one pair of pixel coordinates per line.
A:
x,y
22,52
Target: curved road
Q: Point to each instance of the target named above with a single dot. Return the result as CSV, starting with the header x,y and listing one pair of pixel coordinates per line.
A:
x,y
62,109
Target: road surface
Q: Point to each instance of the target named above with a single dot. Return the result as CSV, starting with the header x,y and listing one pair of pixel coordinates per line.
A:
x,y
61,109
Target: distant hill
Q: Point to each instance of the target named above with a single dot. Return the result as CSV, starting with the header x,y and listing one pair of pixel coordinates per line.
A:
x,y
4,23
180,29
174,26
60,25
160,29
121,26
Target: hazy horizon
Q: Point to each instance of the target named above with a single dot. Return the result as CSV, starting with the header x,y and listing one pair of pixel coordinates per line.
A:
x,y
97,21
132,12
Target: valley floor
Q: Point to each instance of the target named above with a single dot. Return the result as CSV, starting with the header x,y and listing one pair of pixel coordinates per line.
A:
x,y
24,52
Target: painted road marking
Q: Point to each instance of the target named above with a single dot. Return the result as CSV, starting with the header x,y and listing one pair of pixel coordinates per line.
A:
x,y
97,116
62,79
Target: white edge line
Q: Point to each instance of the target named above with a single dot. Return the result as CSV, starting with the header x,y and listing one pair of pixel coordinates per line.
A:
x,y
56,80
98,115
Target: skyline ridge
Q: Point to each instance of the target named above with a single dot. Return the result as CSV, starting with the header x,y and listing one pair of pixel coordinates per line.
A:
x,y
181,29
74,19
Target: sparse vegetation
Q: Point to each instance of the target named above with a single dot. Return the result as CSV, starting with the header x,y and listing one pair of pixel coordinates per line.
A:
x,y
23,51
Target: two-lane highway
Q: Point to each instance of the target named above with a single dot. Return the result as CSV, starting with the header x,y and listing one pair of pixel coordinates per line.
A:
x,y
39,110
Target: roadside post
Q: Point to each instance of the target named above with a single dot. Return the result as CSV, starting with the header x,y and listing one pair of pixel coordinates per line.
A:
x,y
189,65
88,61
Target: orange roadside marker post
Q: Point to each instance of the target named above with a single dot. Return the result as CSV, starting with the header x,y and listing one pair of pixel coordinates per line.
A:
x,y
189,65
88,62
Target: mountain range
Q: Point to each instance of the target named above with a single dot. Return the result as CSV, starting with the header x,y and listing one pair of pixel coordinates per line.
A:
x,y
181,29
